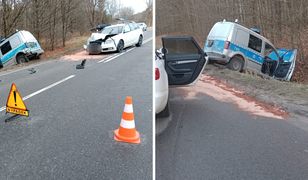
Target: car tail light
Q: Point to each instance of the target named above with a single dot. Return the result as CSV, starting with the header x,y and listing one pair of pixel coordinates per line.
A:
x,y
227,45
157,74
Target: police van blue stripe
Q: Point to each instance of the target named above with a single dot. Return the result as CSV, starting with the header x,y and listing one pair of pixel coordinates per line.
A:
x,y
218,47
11,54
248,54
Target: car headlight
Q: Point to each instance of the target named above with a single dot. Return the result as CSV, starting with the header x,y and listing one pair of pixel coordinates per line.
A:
x,y
108,41
26,50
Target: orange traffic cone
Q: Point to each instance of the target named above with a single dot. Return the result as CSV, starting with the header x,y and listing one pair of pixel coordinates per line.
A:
x,y
127,131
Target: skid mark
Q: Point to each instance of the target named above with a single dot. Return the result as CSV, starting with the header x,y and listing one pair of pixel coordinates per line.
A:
x,y
225,93
83,55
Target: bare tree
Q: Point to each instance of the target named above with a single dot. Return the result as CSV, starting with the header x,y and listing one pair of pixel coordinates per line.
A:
x,y
12,11
126,12
284,22
53,22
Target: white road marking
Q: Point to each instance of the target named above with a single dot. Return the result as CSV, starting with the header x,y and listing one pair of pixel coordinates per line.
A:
x,y
110,59
23,68
43,89
107,58
118,55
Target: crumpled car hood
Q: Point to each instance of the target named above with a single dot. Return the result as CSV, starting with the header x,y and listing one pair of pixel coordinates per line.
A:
x,y
289,55
97,36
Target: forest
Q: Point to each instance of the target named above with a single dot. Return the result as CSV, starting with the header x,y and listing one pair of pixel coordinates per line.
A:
x,y
283,22
53,22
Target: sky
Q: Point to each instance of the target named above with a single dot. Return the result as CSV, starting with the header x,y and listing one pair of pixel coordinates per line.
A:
x,y
137,5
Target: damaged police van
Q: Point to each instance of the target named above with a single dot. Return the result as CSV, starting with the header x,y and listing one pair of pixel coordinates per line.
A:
x,y
241,49
19,48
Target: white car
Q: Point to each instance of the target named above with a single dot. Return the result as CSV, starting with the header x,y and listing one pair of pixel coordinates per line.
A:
x,y
180,62
115,38
161,85
143,26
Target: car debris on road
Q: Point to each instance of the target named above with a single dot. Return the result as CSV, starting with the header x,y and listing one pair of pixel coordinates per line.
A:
x,y
82,65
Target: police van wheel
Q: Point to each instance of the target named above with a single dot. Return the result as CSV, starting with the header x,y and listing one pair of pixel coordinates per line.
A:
x,y
236,64
21,59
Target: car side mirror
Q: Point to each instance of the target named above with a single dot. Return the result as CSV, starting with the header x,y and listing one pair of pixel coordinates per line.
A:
x,y
164,51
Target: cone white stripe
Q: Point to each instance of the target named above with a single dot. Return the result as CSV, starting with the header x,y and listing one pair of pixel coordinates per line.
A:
x,y
128,108
127,124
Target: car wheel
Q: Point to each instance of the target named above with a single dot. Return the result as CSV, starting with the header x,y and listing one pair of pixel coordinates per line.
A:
x,y
139,41
164,113
236,64
21,59
120,46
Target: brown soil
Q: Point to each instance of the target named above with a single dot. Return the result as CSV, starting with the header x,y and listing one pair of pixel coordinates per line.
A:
x,y
80,55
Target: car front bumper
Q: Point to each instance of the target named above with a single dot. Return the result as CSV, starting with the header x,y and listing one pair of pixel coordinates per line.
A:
x,y
95,48
33,52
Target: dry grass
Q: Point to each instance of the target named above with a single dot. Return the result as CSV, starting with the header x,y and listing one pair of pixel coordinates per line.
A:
x,y
72,45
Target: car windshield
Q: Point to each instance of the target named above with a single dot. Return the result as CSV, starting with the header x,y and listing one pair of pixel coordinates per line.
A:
x,y
112,30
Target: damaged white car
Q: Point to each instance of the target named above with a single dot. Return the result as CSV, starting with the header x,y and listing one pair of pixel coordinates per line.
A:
x,y
115,38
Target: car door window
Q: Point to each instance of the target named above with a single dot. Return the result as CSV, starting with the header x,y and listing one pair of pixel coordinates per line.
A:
x,y
132,26
184,59
255,43
181,47
120,29
126,29
270,52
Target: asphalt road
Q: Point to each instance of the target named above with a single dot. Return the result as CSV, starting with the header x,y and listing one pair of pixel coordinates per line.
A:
x,y
209,139
69,134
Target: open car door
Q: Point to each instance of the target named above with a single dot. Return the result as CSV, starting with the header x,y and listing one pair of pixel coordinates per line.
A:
x,y
286,65
184,59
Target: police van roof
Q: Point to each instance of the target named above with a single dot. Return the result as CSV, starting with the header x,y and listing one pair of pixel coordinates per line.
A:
x,y
249,30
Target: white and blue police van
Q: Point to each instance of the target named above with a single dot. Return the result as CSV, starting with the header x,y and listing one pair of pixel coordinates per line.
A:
x,y
242,49
19,48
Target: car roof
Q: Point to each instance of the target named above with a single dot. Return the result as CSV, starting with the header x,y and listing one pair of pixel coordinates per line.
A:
x,y
115,25
121,24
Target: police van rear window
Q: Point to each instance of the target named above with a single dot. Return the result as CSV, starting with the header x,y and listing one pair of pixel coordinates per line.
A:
x,y
6,47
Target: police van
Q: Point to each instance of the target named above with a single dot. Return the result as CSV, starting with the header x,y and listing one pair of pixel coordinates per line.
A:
x,y
19,48
241,49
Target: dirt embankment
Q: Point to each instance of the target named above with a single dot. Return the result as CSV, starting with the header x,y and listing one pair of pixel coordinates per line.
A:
x,y
287,96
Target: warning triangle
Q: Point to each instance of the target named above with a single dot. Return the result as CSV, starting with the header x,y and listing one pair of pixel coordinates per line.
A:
x,y
14,103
